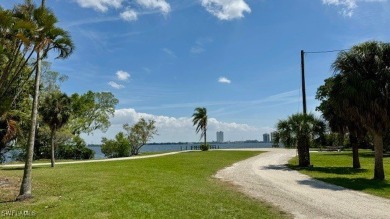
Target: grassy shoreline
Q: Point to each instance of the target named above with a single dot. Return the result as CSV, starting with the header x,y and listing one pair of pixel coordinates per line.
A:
x,y
336,168
179,186
40,161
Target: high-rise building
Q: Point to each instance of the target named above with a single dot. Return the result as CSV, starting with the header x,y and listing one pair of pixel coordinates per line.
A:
x,y
266,138
220,136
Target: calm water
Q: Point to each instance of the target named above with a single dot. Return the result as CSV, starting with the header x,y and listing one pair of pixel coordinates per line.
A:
x,y
179,147
174,147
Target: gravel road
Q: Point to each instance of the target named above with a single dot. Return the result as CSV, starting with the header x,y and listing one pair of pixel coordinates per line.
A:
x,y
265,177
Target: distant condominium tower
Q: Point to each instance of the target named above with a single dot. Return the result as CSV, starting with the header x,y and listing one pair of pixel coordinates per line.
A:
x,y
220,136
266,138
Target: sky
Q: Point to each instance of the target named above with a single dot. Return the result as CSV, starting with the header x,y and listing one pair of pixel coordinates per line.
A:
x,y
238,58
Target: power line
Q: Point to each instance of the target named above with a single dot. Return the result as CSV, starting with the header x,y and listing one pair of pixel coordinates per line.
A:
x,y
329,51
303,71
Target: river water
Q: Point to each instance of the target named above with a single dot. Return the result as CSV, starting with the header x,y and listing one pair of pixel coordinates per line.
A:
x,y
173,147
179,147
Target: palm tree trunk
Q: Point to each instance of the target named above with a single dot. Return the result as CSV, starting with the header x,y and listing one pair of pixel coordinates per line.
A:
x,y
355,152
205,138
340,139
52,136
25,189
353,138
378,146
303,151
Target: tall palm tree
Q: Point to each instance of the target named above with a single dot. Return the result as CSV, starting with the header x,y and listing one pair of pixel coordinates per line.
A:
x,y
362,82
199,118
55,111
338,118
299,130
16,49
46,37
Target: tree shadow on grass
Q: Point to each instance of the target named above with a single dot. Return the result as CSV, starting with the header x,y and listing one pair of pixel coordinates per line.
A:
x,y
337,170
363,155
358,184
341,183
319,184
330,170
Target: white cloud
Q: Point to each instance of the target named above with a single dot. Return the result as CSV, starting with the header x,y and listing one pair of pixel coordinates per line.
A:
x,y
224,80
197,49
347,6
100,5
169,52
226,9
218,125
129,15
115,85
161,5
175,129
122,75
143,6
200,44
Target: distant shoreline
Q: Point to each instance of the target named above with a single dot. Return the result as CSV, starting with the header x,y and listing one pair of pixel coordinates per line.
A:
x,y
197,143
181,146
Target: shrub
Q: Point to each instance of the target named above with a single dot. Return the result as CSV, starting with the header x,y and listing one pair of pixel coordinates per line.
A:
x,y
204,147
75,149
118,147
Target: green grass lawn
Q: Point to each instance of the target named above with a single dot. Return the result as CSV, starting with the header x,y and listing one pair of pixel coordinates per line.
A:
x,y
72,160
336,168
177,186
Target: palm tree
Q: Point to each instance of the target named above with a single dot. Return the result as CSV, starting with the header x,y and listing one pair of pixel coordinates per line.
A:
x,y
362,83
286,134
199,118
16,50
46,37
300,130
55,111
338,119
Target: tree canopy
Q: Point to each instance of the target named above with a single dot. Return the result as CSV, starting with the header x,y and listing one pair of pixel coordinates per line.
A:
x,y
92,111
140,133
360,92
55,112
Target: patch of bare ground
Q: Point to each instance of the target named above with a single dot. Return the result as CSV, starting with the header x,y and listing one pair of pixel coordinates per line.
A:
x,y
9,188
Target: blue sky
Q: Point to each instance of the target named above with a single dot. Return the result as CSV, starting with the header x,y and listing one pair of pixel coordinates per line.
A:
x,y
238,58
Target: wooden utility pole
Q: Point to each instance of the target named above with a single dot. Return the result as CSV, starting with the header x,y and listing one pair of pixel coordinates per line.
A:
x,y
303,81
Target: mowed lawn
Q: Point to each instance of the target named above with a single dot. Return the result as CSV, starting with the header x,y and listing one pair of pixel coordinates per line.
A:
x,y
336,168
177,186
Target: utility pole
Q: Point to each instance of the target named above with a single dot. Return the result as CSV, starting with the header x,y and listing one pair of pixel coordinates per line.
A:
x,y
303,81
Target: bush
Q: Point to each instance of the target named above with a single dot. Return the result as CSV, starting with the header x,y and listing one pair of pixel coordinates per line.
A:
x,y
75,149
204,147
118,147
